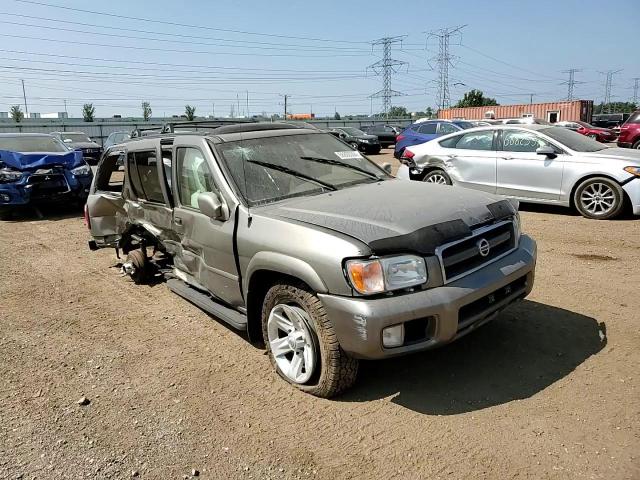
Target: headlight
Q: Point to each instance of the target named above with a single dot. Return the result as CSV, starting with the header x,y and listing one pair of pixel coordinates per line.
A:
x,y
81,170
9,175
386,274
633,170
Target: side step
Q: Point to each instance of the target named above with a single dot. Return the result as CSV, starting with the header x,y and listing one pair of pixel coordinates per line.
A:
x,y
234,318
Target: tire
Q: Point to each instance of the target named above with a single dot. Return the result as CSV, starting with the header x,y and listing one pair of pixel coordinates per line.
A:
x,y
137,266
636,145
599,198
332,371
437,176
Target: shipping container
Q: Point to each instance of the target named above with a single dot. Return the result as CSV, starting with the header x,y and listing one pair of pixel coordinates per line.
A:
x,y
551,112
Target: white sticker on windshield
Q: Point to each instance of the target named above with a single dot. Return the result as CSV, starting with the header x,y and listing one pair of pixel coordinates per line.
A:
x,y
350,154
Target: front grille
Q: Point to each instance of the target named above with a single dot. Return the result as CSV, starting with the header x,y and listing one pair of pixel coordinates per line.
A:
x,y
44,185
483,246
487,305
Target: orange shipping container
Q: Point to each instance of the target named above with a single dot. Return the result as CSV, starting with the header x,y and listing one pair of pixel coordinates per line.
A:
x,y
551,112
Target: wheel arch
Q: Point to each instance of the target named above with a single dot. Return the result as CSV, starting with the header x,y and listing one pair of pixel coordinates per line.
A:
x,y
582,179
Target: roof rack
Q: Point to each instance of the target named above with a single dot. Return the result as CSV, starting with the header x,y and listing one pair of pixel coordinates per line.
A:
x,y
170,127
137,132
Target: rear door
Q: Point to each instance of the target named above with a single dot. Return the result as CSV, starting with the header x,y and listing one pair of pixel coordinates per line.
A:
x,y
522,173
471,160
206,254
424,133
104,209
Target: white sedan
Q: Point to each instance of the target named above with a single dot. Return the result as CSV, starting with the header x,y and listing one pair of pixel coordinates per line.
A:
x,y
532,163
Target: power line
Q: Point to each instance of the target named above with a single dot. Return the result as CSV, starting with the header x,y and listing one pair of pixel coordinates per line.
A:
x,y
571,83
386,67
443,59
176,24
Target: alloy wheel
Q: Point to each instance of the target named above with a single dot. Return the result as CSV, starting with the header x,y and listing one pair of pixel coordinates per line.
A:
x,y
598,198
291,342
437,178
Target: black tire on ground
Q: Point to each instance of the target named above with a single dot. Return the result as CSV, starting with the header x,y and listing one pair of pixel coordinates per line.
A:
x,y
335,370
618,198
437,173
140,264
636,145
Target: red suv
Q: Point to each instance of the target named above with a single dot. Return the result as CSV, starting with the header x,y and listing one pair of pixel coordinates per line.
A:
x,y
602,135
630,132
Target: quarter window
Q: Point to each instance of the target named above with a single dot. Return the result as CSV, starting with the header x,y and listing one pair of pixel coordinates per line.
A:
x,y
193,176
521,141
427,128
143,174
446,128
476,141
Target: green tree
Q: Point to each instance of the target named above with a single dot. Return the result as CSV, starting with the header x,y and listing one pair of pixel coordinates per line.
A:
x,y
429,112
336,116
146,110
190,112
615,107
88,112
16,113
475,98
398,112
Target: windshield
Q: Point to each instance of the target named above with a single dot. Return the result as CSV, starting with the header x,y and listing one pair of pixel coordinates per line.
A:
x,y
464,125
573,140
274,168
74,137
354,132
44,143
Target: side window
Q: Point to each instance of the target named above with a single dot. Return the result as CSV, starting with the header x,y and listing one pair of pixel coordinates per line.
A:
x,y
521,141
193,176
427,128
167,163
450,142
476,140
446,128
110,176
143,174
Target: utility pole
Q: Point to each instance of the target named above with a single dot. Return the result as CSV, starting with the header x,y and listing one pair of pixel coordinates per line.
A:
x,y
385,67
286,97
443,61
571,83
248,104
65,108
213,109
607,88
238,102
24,95
635,90
531,98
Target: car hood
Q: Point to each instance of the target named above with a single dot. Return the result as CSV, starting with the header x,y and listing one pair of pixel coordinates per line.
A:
x,y
396,215
34,160
83,145
627,154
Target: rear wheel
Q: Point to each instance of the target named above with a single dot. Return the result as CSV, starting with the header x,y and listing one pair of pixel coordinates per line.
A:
x,y
599,198
437,176
636,145
302,344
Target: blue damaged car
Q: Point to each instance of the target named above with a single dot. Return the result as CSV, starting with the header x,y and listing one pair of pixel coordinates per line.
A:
x,y
37,168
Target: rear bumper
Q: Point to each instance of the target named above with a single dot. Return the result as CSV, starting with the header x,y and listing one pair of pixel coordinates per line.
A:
x,y
632,189
451,311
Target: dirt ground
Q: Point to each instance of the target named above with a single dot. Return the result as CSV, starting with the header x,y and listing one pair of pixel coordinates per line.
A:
x,y
550,389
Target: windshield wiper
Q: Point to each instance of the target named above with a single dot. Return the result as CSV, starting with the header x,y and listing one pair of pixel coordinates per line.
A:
x,y
330,161
294,173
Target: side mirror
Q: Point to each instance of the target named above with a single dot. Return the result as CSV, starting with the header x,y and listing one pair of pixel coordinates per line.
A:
x,y
547,151
386,166
209,203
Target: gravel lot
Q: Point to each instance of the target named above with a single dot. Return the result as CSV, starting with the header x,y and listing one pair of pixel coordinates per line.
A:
x,y
547,390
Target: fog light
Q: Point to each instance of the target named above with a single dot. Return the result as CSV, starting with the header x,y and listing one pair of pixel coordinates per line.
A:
x,y
4,197
393,336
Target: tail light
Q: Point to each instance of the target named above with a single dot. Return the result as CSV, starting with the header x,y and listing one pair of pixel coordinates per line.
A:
x,y
399,138
87,220
407,157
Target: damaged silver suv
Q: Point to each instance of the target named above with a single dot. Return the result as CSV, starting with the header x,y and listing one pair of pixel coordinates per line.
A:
x,y
316,252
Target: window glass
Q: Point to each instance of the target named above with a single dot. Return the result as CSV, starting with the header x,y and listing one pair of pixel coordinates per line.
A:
x,y
521,141
143,173
450,142
427,128
476,141
167,162
445,128
110,176
194,176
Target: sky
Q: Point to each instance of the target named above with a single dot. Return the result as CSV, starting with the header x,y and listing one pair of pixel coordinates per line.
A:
x,y
246,56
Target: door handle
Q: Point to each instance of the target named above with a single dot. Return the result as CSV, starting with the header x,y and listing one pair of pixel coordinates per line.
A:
x,y
507,158
177,221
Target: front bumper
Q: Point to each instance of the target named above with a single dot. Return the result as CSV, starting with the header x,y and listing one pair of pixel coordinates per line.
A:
x,y
632,188
624,144
452,310
23,192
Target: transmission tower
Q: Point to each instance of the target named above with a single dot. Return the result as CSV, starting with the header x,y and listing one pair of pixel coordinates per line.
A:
x,y
443,60
607,88
571,83
635,90
386,67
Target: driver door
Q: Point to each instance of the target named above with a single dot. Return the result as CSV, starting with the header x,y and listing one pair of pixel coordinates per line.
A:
x,y
205,257
524,174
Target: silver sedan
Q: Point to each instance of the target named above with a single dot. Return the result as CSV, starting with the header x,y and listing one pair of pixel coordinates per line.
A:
x,y
532,163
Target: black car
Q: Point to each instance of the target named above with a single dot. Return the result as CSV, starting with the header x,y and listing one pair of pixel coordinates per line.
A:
x,y
91,151
358,139
386,134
